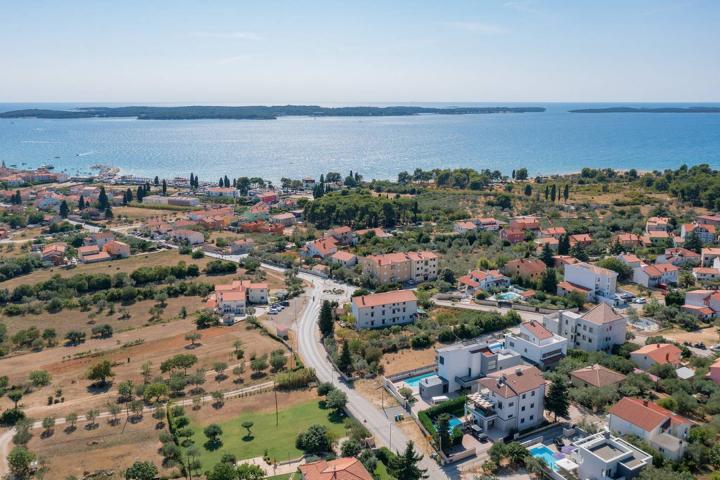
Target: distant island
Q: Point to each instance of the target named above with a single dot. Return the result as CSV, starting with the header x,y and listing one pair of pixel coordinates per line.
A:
x,y
649,110
254,112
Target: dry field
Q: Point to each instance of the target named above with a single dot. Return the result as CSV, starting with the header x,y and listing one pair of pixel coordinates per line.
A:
x,y
159,343
407,359
140,213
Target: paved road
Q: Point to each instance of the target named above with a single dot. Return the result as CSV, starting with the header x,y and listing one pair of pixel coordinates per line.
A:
x,y
313,353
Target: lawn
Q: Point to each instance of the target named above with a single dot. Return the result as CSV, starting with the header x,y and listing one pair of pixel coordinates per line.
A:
x,y
381,472
278,442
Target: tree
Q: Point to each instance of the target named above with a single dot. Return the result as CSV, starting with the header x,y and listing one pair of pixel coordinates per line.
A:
x,y
278,360
100,372
141,471
336,399
15,396
238,346
64,209
258,364
222,471
247,425
81,203
155,391
193,337
345,360
91,415
75,337
693,242
407,394
103,202
20,462
564,245
114,410
71,418
443,431
206,319
556,401
350,448
548,281
213,433
164,187
528,190
39,378
246,471
315,440
405,466
326,322
48,424
547,256
566,192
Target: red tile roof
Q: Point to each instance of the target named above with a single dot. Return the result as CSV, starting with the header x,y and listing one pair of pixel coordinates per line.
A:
x,y
514,381
645,414
660,353
339,469
598,376
537,329
378,299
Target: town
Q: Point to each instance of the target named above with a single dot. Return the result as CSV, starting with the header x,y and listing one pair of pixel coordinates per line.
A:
x,y
448,323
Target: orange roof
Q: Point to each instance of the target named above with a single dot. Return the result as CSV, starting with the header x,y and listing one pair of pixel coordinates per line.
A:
x,y
378,299
537,329
710,251
645,414
324,245
391,258
660,353
97,257
340,469
597,375
601,314
571,287
89,249
343,256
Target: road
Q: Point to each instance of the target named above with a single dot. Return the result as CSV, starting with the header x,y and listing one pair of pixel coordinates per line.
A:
x,y
313,353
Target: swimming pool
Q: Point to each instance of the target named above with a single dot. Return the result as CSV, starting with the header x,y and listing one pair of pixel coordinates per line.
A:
x,y
495,346
413,382
509,296
454,422
542,451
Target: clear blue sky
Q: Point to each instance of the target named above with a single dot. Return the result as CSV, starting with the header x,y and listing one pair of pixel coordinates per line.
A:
x,y
361,51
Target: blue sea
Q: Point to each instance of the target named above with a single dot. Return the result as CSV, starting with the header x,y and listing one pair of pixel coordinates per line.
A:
x,y
552,142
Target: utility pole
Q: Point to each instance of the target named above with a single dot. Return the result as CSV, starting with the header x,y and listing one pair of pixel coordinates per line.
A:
x,y
276,406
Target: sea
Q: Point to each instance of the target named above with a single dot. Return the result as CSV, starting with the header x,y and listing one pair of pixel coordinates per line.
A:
x,y
555,141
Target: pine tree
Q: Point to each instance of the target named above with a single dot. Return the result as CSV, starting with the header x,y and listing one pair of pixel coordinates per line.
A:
x,y
156,181
564,245
64,210
547,192
513,174
578,251
556,400
81,203
547,255
108,212
405,465
164,187
566,192
528,190
140,194
616,248
345,360
553,192
103,199
326,323
226,181
548,281
129,194
220,183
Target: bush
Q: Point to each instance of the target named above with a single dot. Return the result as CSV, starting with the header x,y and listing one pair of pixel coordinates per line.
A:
x,y
300,378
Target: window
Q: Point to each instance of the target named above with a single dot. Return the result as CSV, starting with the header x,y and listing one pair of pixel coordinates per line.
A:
x,y
524,395
532,416
511,404
522,409
532,394
522,420
532,405
442,360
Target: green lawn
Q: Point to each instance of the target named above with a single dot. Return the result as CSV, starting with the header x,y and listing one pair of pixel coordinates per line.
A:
x,y
278,441
381,472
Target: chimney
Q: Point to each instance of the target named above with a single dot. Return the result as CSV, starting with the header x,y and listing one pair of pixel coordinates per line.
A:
x,y
645,403
518,371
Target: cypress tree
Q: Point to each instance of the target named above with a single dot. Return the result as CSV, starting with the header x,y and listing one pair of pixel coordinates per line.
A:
x,y
64,210
326,323
103,199
81,203
556,401
164,187
345,360
547,255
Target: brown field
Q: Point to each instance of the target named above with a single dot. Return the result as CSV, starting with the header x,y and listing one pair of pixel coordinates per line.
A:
x,y
708,336
140,213
160,342
105,447
372,390
407,359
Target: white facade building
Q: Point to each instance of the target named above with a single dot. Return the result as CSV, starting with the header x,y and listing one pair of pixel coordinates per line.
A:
x,y
384,309
537,344
601,282
597,330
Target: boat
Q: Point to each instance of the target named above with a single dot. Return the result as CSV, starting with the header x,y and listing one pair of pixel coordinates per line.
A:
x,y
48,166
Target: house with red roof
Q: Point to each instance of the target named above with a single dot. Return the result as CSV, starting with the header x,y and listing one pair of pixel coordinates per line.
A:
x,y
706,274
680,257
344,258
528,269
477,280
705,232
583,239
464,227
346,468
343,235
704,304
656,275
322,247
233,298
708,256
666,431
627,240
384,309
656,354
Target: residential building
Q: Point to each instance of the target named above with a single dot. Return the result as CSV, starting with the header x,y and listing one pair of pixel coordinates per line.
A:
x,y
706,274
657,275
322,247
384,309
680,257
604,457
117,249
155,200
582,239
565,288
559,261
346,259
709,219
87,250
627,240
512,235
552,243
482,280
631,260
268,197
234,298
706,233
242,246
708,256
342,235
346,468
509,400
228,192
597,330
666,431
529,269
54,253
415,267
526,223
464,227
657,238
190,236
714,373
285,219
595,376
100,238
656,354
705,304
536,344
487,223
552,232
601,282
657,224
462,364
102,256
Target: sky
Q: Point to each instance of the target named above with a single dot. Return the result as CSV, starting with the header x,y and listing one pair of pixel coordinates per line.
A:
x,y
359,51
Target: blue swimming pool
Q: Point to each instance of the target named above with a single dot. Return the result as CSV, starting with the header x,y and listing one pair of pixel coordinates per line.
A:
x,y
546,454
495,346
454,422
413,382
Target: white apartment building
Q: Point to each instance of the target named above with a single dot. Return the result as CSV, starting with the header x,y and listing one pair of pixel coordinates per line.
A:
x,y
652,276
509,400
234,298
384,309
537,344
666,431
604,457
460,365
415,267
597,330
600,282
708,256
